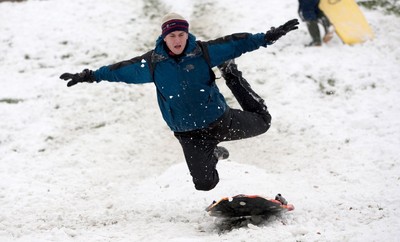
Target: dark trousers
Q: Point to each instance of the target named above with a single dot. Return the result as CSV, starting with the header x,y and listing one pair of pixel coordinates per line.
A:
x,y
198,145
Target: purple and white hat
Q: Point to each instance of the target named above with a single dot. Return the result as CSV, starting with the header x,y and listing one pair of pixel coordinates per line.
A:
x,y
173,22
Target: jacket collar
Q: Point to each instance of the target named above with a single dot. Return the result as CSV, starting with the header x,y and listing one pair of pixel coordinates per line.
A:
x,y
191,50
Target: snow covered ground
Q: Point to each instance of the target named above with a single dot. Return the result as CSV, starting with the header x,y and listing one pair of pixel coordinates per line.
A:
x,y
95,162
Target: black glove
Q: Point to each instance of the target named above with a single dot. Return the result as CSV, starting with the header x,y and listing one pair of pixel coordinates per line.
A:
x,y
274,34
85,76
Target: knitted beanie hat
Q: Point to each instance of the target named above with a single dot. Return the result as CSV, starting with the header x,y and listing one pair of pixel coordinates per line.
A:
x,y
173,22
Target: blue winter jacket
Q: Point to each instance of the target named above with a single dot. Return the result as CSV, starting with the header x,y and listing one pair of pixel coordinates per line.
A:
x,y
187,94
309,10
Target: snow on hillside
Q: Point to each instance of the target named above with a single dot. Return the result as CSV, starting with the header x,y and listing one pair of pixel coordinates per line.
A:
x,y
95,162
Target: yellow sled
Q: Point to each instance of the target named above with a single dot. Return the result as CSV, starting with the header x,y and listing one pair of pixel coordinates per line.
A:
x,y
348,20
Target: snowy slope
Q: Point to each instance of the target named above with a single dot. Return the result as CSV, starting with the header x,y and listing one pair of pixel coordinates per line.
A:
x,y
95,162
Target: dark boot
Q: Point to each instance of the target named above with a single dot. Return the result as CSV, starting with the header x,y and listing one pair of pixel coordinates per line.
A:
x,y
248,99
327,27
314,32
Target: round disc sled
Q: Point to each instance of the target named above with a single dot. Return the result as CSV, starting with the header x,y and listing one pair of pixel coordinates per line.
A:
x,y
248,205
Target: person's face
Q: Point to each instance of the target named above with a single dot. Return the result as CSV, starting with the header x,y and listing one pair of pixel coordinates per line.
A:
x,y
176,41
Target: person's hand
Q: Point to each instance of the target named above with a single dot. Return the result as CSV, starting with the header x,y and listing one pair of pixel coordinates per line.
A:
x,y
274,34
85,76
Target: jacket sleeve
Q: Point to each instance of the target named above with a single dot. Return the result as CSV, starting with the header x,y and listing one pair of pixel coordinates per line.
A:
x,y
133,71
233,46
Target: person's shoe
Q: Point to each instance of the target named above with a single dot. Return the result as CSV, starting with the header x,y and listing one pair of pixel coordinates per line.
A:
x,y
228,67
328,35
313,44
221,153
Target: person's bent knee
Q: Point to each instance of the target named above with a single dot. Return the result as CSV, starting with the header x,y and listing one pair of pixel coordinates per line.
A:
x,y
267,122
205,185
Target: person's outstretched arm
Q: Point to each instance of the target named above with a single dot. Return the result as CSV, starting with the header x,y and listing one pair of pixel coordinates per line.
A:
x,y
135,70
233,46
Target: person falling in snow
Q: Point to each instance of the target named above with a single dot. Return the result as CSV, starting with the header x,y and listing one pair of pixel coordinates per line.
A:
x,y
189,99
